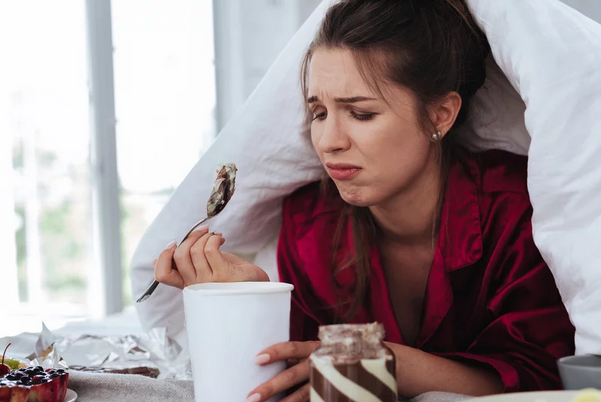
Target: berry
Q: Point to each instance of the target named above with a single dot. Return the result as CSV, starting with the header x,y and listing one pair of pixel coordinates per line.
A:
x,y
4,369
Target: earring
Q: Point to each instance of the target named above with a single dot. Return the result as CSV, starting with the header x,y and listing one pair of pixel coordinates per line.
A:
x,y
437,136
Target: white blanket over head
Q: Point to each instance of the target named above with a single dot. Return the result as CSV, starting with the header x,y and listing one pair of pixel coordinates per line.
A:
x,y
545,100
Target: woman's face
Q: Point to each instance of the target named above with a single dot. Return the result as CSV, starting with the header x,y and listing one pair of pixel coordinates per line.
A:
x,y
373,150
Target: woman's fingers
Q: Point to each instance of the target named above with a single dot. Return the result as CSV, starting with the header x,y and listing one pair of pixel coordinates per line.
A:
x,y
164,271
292,362
283,381
289,378
285,351
203,270
182,258
219,265
303,394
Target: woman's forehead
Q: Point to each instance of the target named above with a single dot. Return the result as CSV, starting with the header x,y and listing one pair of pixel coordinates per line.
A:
x,y
334,76
334,73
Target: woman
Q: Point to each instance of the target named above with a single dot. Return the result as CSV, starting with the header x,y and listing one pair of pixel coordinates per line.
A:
x,y
408,229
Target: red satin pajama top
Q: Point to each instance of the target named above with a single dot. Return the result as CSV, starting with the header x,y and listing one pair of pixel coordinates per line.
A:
x,y
490,298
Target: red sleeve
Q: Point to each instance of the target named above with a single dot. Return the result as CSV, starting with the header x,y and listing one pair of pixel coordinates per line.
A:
x,y
303,324
529,328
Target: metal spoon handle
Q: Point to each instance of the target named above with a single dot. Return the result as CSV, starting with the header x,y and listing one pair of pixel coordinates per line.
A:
x,y
154,284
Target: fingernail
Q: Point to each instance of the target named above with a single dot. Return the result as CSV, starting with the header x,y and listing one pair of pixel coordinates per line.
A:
x,y
218,234
171,245
262,358
202,228
254,398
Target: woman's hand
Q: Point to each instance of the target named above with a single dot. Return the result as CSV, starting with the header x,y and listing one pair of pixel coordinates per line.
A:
x,y
296,354
198,260
418,372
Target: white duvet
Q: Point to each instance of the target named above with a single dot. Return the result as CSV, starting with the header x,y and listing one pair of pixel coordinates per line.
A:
x,y
542,97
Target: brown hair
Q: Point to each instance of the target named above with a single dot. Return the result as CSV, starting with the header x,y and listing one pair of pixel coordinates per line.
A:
x,y
431,47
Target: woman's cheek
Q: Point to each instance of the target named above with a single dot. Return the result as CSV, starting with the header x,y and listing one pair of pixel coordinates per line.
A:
x,y
315,141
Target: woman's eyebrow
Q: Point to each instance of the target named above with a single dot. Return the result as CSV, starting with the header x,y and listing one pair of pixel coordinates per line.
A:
x,y
353,99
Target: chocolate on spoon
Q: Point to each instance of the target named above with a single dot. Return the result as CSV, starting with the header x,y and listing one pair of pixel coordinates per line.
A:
x,y
223,189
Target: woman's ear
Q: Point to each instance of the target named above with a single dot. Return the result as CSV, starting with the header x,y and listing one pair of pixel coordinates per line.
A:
x,y
444,112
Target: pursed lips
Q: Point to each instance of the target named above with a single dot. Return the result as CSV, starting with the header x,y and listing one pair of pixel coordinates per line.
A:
x,y
343,171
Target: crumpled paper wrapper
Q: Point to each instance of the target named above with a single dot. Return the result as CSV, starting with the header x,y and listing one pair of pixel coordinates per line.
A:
x,y
45,353
152,349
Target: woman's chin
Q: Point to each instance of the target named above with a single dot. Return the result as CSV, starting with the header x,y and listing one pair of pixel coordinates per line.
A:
x,y
355,196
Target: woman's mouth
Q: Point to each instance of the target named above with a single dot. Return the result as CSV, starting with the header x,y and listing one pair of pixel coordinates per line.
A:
x,y
343,171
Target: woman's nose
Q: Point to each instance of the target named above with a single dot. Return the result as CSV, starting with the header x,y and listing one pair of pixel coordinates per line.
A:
x,y
333,137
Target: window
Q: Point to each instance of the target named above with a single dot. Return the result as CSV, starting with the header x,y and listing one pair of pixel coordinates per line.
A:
x,y
164,105
45,123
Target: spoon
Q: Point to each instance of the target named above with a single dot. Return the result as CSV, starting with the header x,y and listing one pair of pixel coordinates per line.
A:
x,y
223,190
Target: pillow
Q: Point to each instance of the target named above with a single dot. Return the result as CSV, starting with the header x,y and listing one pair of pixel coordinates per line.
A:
x,y
539,97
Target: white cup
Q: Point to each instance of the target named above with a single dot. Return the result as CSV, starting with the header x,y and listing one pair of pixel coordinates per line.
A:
x,y
228,324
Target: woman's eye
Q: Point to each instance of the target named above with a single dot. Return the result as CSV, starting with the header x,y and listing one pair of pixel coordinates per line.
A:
x,y
320,116
363,116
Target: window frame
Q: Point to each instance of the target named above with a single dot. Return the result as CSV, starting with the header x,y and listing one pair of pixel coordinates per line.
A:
x,y
105,284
